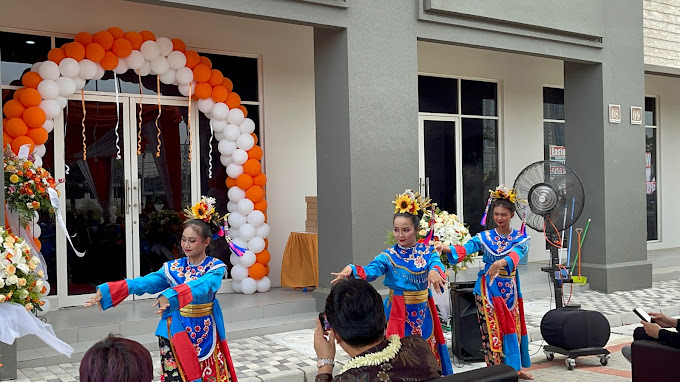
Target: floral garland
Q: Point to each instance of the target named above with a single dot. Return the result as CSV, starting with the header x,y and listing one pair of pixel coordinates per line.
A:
x,y
20,280
377,358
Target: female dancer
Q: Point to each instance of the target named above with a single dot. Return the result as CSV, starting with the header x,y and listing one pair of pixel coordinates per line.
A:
x,y
500,309
409,269
191,331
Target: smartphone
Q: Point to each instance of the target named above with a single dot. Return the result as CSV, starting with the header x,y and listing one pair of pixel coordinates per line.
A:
x,y
324,322
642,314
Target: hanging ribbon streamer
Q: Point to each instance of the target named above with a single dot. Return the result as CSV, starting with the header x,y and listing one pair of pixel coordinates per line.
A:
x,y
158,129
82,98
486,212
224,230
54,199
210,151
430,235
115,83
67,169
139,132
189,123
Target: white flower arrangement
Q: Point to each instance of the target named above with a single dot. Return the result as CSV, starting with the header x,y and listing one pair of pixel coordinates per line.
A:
x,y
377,358
450,231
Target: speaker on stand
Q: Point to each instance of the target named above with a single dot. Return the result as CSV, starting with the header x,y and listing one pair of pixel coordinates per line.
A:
x,y
466,338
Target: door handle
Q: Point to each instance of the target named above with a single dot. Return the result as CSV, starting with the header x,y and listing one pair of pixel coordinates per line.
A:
x,y
128,196
427,187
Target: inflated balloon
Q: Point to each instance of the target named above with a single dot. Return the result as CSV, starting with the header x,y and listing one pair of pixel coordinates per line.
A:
x,y
234,259
185,76
233,233
184,88
62,101
38,161
88,69
34,116
66,86
47,286
100,72
256,218
168,77
69,67
49,70
135,60
239,156
48,89
165,45
39,150
36,68
239,272
247,232
205,105
231,206
245,207
248,286
240,243
256,244
122,66
225,160
218,125
234,170
247,126
36,230
48,126
248,257
245,141
226,147
235,116
218,137
264,230
150,50
80,82
145,70
236,286
51,108
232,132
235,194
264,284
177,60
160,66
220,111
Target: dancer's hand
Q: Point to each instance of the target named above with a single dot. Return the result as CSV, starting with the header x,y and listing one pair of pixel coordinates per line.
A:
x,y
652,330
440,247
493,271
345,273
663,320
163,304
434,279
94,300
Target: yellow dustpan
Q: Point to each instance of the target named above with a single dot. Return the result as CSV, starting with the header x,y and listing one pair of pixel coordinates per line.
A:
x,y
581,280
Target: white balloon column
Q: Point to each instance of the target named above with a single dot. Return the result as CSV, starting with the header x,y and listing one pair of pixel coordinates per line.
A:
x,y
30,118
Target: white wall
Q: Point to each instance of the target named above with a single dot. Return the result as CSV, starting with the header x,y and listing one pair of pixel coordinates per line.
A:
x,y
521,80
288,79
668,92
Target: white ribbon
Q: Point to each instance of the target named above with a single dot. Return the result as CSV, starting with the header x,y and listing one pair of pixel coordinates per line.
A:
x,y
210,152
54,199
115,82
18,322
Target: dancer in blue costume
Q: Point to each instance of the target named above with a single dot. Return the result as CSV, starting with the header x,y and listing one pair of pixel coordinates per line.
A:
x,y
410,268
500,308
191,331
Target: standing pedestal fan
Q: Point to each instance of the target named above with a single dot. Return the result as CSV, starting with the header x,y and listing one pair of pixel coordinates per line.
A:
x,y
555,200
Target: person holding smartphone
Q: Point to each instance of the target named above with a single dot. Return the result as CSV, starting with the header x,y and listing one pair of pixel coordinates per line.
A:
x,y
655,331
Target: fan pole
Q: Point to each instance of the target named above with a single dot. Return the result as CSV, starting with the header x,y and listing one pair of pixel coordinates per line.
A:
x,y
554,270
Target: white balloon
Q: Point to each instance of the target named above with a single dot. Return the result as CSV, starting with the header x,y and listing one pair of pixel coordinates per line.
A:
x,y
165,45
160,66
232,132
49,70
185,75
205,105
48,89
264,231
248,286
45,308
236,286
264,284
256,245
248,258
100,72
218,125
208,115
246,232
36,230
231,206
36,68
39,150
168,77
225,160
184,89
38,161
88,69
36,218
240,243
150,50
245,206
247,126
218,137
47,286
234,170
234,259
145,70
177,60
235,116
80,82
122,66
226,147
256,218
233,233
135,60
62,102
245,142
66,86
239,272
69,67
235,194
51,108
220,110
48,126
239,157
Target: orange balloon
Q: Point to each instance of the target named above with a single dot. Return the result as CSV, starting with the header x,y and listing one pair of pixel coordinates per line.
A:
x,y
56,55
255,193
252,167
17,94
245,112
233,100
103,38
135,39
244,182
255,153
38,244
193,59
31,80
206,61
34,117
116,32
219,93
146,35
263,257
16,127
94,52
75,50
6,139
253,135
13,109
20,141
228,84
202,73
30,97
203,90
230,182
83,38
178,44
110,60
38,135
266,241
122,48
256,271
266,270
216,77
260,179
261,206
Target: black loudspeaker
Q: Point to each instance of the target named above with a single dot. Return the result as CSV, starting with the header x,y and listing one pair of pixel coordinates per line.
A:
x,y
575,328
466,338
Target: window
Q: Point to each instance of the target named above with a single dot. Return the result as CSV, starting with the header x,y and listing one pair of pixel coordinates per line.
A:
x,y
553,124
651,169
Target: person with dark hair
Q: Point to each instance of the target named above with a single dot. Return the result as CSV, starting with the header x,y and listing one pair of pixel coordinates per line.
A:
x,y
500,309
410,268
355,314
191,331
116,359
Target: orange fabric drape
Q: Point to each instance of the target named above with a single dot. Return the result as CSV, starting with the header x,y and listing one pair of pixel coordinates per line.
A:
x,y
300,267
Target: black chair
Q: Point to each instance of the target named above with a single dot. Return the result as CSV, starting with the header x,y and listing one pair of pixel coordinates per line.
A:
x,y
496,373
653,361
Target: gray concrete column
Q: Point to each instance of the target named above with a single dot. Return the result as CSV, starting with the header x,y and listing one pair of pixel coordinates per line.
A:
x,y
609,157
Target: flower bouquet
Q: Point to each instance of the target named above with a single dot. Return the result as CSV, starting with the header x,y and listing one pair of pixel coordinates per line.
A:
x,y
20,280
163,227
450,231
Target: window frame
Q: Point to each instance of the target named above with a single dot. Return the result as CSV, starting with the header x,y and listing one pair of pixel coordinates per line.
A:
x,y
657,170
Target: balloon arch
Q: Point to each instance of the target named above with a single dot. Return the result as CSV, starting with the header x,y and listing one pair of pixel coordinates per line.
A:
x,y
30,118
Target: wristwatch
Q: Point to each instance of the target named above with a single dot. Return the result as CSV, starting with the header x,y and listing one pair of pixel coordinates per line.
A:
x,y
321,362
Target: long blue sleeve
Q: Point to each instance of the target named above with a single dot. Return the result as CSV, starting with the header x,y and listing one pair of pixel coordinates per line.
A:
x,y
183,294
434,262
152,283
373,270
458,252
519,251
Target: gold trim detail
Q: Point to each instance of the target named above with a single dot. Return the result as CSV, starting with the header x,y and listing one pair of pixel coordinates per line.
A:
x,y
174,353
418,297
196,310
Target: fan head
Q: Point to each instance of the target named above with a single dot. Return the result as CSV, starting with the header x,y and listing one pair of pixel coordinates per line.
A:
x,y
553,193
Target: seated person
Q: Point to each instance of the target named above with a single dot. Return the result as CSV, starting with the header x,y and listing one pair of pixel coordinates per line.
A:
x,y
652,331
116,359
354,311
